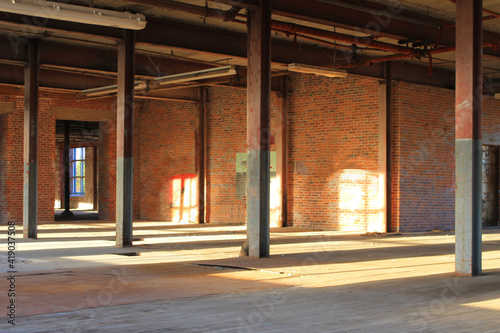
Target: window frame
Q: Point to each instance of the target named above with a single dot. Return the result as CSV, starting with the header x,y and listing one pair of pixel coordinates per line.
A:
x,y
73,172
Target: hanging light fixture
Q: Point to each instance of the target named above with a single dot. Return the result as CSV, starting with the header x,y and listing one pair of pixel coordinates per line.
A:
x,y
72,13
187,77
323,71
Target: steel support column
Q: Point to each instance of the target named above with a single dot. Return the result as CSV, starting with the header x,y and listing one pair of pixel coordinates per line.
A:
x,y
388,148
67,214
30,190
282,151
468,127
124,144
199,140
94,180
258,129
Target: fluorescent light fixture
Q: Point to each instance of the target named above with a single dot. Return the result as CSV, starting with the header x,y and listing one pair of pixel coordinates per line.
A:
x,y
323,71
72,13
196,75
107,90
165,80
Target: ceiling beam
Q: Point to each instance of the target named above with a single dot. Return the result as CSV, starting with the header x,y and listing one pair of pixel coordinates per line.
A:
x,y
102,61
217,41
377,20
52,79
374,19
197,39
359,15
179,35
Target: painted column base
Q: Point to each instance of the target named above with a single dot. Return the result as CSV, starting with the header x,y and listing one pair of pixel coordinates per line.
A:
x,y
30,201
124,203
258,202
468,207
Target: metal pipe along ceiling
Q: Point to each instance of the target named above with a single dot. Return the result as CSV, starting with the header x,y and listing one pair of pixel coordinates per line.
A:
x,y
280,26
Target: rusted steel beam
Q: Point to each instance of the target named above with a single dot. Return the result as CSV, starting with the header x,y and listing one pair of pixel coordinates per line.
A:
x,y
67,214
49,78
392,57
99,62
377,20
227,43
468,137
258,129
282,26
282,151
486,11
241,3
124,144
225,15
182,37
232,45
30,191
369,18
199,141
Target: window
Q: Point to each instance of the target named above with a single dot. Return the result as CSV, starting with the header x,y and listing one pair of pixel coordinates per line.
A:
x,y
77,171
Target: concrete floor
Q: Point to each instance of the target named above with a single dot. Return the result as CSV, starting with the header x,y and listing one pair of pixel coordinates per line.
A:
x,y
188,278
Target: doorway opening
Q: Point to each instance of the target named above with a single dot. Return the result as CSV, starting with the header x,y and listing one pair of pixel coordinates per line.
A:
x,y
82,166
490,163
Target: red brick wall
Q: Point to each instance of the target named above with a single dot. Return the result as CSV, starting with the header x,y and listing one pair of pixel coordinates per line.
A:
x,y
3,169
227,136
137,160
424,125
14,156
12,148
395,173
13,152
333,133
333,155
424,155
106,165
491,118
46,161
166,151
3,164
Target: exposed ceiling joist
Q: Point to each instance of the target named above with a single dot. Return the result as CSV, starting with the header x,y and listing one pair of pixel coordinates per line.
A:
x,y
203,42
375,19
103,61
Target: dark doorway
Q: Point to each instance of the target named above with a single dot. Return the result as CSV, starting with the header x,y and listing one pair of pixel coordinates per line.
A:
x,y
490,186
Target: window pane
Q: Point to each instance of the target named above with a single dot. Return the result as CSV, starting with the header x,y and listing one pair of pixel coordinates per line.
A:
x,y
77,170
